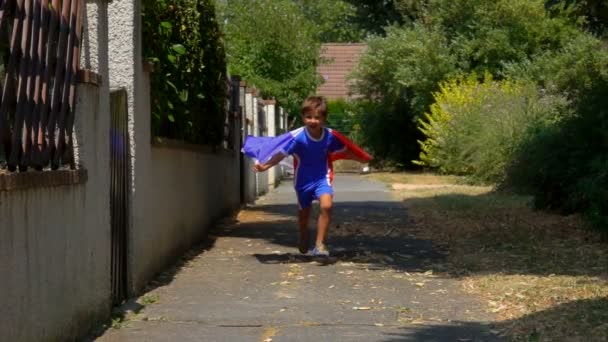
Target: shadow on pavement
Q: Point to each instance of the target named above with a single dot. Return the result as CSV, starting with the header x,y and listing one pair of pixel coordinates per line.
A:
x,y
361,232
539,326
131,306
455,331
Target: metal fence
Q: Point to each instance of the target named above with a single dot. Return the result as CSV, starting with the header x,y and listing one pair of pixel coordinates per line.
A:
x,y
119,191
40,49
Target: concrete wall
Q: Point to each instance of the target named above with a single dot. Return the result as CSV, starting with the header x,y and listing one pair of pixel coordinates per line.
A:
x,y
55,244
126,71
249,182
264,118
187,191
259,128
269,111
174,191
55,241
177,196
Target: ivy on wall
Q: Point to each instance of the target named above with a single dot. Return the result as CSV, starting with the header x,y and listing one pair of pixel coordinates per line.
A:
x,y
188,85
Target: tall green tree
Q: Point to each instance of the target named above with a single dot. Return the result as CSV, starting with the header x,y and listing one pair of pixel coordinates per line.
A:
x,y
272,45
595,13
411,10
373,16
334,20
486,34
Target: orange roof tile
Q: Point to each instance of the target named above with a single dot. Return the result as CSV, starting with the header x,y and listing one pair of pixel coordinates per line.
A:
x,y
343,57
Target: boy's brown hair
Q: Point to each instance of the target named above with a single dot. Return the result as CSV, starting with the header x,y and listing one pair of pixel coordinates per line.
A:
x,y
315,104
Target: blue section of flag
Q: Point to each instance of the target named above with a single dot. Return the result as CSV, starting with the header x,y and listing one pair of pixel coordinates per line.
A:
x,y
264,148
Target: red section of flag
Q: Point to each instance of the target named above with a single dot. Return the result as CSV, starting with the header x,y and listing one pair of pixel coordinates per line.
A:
x,y
350,146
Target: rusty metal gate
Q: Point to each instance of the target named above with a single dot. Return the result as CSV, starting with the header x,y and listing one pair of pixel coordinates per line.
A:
x,y
119,189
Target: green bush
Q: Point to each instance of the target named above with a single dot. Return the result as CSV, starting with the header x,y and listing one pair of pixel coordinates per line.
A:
x,y
398,87
573,69
342,116
475,127
188,85
565,165
386,134
401,71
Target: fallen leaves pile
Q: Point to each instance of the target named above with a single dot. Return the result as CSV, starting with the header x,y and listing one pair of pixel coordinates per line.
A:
x,y
544,275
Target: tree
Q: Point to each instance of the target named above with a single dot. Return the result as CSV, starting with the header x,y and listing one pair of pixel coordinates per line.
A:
x,y
486,34
411,10
373,16
401,71
334,20
273,46
595,13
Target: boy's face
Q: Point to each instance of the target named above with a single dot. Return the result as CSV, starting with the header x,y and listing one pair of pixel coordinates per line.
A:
x,y
313,121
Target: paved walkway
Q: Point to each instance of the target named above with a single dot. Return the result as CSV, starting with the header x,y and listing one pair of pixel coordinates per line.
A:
x,y
249,283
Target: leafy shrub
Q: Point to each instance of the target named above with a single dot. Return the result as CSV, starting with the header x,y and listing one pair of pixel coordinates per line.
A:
x,y
398,87
342,116
385,134
188,85
407,65
573,69
565,165
475,127
401,71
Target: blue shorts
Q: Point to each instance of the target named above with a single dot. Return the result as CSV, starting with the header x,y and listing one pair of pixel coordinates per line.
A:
x,y
312,192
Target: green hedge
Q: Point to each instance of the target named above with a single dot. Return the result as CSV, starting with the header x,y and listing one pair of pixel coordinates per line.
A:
x,y
188,84
565,165
474,128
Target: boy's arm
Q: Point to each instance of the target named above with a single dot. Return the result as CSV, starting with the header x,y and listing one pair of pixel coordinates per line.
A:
x,y
270,163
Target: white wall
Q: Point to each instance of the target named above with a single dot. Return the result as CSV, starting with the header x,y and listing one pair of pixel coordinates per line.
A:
x,y
187,191
174,198
274,172
250,177
55,243
126,71
178,197
258,118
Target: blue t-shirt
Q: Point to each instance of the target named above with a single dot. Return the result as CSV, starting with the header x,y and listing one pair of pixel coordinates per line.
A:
x,y
311,156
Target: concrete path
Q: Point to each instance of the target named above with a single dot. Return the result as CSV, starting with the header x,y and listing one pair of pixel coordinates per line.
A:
x,y
249,283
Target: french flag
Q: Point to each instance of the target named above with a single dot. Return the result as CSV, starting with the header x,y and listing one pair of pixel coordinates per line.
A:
x,y
263,148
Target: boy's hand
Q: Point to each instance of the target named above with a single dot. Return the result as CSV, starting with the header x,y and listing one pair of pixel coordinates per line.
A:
x,y
267,165
260,167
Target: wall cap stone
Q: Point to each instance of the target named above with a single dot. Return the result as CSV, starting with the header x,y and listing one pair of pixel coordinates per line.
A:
x,y
89,77
14,181
186,146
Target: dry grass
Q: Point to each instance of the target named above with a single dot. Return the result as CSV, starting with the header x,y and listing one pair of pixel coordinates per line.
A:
x,y
544,275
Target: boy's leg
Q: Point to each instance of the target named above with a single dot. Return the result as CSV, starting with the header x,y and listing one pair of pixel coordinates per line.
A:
x,y
304,201
303,215
325,206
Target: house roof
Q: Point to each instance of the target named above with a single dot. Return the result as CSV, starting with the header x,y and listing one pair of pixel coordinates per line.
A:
x,y
343,57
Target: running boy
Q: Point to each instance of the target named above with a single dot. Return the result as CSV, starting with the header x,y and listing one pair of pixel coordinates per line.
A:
x,y
311,147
